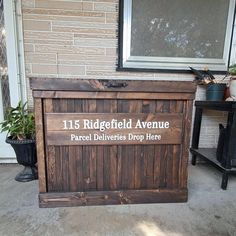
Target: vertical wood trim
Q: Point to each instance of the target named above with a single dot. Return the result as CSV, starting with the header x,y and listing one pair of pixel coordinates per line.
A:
x,y
176,157
157,166
169,166
51,168
38,110
93,150
50,152
78,107
185,147
73,169
100,154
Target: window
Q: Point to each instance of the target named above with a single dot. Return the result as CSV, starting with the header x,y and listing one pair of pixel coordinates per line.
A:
x,y
173,35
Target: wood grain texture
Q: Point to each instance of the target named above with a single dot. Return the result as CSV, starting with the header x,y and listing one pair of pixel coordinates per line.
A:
x,y
38,111
70,199
113,95
122,172
60,84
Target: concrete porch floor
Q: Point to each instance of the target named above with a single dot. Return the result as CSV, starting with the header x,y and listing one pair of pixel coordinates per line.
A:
x,y
209,211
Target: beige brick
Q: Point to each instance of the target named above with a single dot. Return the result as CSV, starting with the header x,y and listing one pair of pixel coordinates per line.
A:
x,y
87,6
28,3
105,7
111,51
41,58
55,18
37,25
103,67
47,35
28,47
74,57
114,1
112,18
71,70
83,30
95,42
69,49
28,68
87,63
70,5
63,12
49,41
207,141
89,25
95,36
44,69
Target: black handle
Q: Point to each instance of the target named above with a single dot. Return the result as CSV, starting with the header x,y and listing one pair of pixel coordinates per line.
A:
x,y
114,84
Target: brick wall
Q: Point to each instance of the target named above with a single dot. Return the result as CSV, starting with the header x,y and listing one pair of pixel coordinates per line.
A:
x,y
78,39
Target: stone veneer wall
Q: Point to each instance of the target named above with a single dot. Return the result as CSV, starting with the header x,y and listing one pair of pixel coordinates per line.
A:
x,y
78,39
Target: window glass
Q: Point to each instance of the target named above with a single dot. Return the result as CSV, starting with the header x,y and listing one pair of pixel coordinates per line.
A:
x,y
176,34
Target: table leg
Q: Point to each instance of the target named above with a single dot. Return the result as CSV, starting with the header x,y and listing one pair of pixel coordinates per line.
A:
x,y
194,158
224,181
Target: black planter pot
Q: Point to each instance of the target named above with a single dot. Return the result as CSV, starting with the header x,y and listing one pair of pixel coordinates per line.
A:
x,y
26,155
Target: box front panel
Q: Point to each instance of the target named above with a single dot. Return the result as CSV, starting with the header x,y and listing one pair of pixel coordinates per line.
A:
x,y
81,156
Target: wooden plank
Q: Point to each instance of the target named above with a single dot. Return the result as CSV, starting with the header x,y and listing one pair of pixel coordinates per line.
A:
x,y
61,84
110,138
73,173
99,129
118,121
110,106
138,152
113,168
78,107
150,151
92,106
179,107
79,168
100,154
106,168
138,166
119,166
157,166
50,157
38,111
51,168
113,95
175,170
123,106
59,170
186,142
163,166
70,199
86,172
169,167
64,159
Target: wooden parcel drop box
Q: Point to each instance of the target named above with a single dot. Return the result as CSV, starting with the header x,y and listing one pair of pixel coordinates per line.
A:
x,y
117,142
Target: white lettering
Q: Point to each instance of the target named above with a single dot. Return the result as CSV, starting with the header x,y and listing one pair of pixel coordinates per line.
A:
x,y
152,125
153,136
137,137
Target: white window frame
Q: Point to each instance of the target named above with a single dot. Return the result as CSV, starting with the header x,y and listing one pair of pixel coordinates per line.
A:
x,y
16,68
127,61
15,51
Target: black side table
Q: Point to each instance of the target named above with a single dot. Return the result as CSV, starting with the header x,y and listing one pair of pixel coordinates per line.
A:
x,y
209,154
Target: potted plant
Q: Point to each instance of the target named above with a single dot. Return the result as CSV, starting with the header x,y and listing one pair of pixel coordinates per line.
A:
x,y
20,127
215,89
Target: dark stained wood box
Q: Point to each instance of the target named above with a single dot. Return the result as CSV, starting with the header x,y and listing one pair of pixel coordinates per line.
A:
x,y
119,142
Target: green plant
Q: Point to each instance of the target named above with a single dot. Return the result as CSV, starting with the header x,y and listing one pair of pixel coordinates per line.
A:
x,y
232,69
19,123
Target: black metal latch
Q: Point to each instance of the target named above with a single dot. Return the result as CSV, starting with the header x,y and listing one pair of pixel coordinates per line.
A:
x,y
115,84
